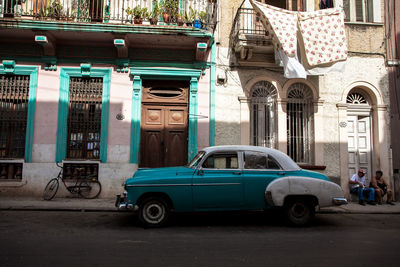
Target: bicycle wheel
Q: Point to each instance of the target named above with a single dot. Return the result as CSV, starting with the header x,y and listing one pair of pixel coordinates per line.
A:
x,y
89,189
51,189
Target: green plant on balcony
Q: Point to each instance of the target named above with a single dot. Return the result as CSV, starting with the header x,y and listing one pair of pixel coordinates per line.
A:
x,y
138,14
55,10
153,16
203,18
170,10
180,19
190,16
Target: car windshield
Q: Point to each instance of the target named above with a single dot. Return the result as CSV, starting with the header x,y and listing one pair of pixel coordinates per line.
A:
x,y
195,161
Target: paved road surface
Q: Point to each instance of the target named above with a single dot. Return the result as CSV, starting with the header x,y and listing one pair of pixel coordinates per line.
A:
x,y
53,238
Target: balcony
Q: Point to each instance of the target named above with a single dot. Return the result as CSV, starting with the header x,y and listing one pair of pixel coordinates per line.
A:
x,y
115,12
250,41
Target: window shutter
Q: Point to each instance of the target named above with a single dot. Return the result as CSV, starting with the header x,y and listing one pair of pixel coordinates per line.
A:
x,y
359,10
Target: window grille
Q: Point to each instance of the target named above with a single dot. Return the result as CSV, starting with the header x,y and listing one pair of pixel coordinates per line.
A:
x,y
14,98
263,114
299,123
84,118
356,98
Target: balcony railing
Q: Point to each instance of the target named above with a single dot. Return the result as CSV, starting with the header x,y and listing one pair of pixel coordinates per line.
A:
x,y
98,11
248,28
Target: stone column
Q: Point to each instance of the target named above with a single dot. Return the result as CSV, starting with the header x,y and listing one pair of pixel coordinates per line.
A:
x,y
244,120
343,148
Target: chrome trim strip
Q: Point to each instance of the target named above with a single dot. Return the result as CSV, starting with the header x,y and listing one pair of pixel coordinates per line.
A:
x,y
164,185
156,185
212,184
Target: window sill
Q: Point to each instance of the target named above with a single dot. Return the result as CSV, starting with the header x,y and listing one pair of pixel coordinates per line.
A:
x,y
312,167
359,23
12,183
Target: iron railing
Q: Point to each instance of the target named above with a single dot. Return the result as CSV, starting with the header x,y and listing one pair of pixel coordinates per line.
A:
x,y
247,25
98,11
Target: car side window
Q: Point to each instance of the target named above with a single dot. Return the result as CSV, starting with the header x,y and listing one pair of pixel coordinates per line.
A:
x,y
272,164
221,161
258,160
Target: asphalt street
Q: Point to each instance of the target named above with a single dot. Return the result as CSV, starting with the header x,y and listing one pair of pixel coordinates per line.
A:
x,y
67,238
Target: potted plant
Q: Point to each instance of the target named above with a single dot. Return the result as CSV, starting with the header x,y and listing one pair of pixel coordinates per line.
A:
x,y
190,16
55,10
129,14
153,16
180,19
170,10
138,15
203,18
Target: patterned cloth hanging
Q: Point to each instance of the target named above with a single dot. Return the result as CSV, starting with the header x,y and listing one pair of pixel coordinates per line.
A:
x,y
322,34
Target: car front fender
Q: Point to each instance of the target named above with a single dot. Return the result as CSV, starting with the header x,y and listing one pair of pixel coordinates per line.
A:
x,y
326,192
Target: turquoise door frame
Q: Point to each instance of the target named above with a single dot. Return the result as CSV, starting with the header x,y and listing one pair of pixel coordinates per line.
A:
x,y
140,73
9,67
84,71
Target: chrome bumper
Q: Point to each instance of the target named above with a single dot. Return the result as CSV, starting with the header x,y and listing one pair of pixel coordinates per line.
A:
x,y
121,204
339,201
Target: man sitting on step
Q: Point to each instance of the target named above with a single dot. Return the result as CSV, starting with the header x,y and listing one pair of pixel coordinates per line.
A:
x,y
357,183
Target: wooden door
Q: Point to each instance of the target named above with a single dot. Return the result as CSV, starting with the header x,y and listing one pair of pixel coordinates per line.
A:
x,y
359,144
163,136
164,123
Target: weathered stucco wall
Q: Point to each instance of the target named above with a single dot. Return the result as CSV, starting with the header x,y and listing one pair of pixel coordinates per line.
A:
x,y
365,38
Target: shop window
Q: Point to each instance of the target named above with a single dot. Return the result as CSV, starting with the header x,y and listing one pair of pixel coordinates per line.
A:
x,y
84,118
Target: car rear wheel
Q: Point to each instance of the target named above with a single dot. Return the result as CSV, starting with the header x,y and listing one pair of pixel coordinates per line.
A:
x,y
153,212
299,212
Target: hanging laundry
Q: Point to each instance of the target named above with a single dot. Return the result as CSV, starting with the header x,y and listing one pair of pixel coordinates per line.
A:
x,y
281,24
323,35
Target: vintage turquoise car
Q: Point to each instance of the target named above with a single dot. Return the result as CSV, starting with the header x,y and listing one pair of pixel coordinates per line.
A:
x,y
225,178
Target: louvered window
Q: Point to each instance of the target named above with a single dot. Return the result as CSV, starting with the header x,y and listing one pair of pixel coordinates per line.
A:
x,y
14,98
263,114
84,118
299,123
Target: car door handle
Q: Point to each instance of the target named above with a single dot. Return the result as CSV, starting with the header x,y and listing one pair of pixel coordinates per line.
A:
x,y
200,172
281,173
237,173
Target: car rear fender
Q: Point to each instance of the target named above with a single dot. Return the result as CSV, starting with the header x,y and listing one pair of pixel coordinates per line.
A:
x,y
323,190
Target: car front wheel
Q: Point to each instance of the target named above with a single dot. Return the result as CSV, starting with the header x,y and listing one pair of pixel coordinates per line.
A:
x,y
299,212
153,212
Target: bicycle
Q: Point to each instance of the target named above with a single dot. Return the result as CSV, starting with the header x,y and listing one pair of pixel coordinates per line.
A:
x,y
87,186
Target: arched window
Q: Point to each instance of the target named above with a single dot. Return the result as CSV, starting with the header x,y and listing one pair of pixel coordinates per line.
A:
x,y
299,123
263,114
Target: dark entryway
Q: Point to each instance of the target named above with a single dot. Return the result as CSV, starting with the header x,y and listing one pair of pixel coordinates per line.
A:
x,y
164,124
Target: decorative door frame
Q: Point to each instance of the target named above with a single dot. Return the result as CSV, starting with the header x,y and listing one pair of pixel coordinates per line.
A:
x,y
63,106
138,73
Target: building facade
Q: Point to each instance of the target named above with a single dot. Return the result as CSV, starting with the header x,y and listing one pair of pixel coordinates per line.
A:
x,y
84,84
333,123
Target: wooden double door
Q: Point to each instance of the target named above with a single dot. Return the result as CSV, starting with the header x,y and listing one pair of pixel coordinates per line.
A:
x,y
164,125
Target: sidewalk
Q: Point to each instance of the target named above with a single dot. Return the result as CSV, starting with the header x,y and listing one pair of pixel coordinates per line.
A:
x,y
80,204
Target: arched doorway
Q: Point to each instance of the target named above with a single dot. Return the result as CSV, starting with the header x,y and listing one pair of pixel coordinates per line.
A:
x,y
263,114
359,133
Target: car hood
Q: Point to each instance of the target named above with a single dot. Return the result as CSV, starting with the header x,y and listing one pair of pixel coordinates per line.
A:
x,y
156,174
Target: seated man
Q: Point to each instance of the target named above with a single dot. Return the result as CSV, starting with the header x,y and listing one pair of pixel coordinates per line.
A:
x,y
381,188
357,182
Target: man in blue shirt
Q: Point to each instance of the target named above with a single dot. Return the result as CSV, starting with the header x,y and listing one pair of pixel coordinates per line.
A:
x,y
357,182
